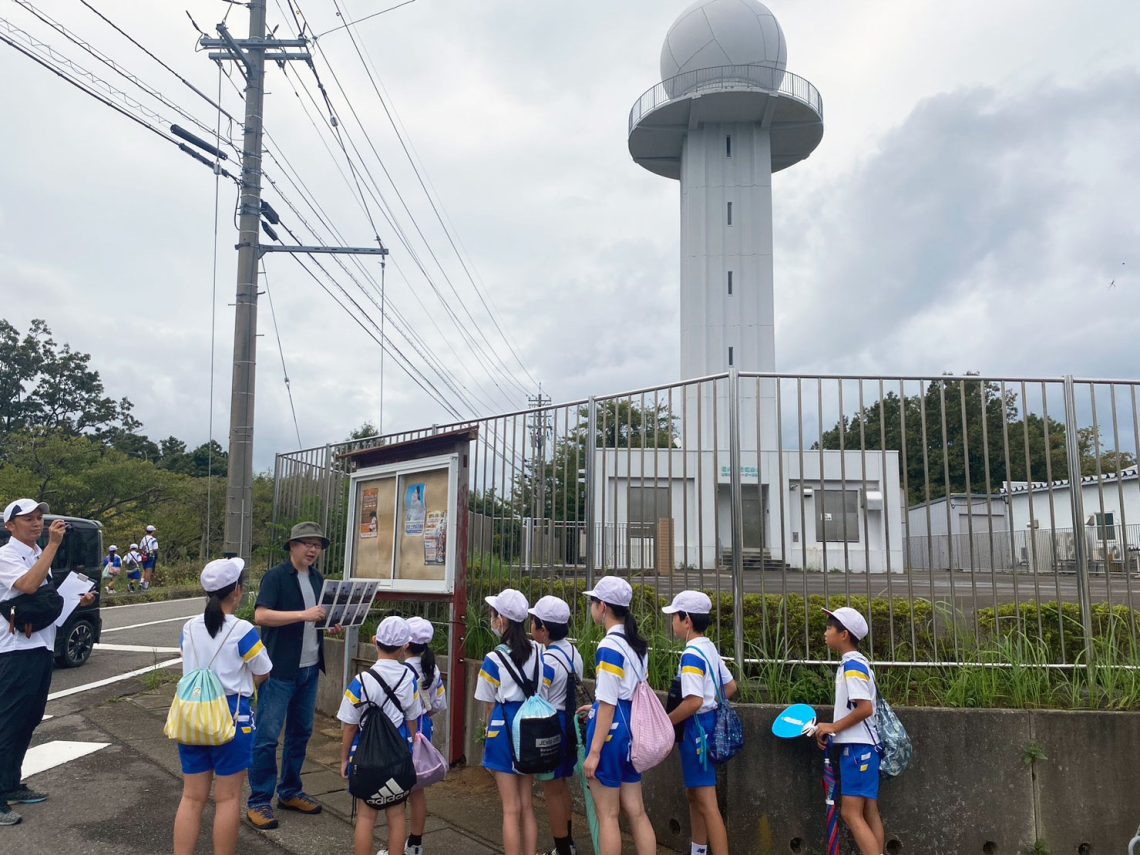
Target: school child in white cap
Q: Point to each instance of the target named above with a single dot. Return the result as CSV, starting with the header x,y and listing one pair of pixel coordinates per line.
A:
x,y
502,693
852,731
433,698
622,660
392,637
232,649
550,626
704,677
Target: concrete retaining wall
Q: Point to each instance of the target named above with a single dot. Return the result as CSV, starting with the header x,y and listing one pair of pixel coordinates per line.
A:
x,y
970,788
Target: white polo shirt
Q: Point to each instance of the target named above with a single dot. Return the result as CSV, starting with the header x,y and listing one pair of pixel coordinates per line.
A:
x,y
697,679
558,657
855,681
16,559
617,676
433,698
236,651
495,683
400,680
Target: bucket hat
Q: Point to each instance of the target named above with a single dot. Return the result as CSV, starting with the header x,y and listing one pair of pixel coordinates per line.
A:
x,y
303,530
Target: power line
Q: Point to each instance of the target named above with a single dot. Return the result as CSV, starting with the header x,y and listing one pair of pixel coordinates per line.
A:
x,y
490,354
116,67
309,200
383,103
216,104
281,351
29,52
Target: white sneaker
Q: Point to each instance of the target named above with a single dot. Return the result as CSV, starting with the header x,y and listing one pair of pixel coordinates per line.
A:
x,y
382,852
414,850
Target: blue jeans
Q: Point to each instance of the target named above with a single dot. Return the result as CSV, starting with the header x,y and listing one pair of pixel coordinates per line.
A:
x,y
288,704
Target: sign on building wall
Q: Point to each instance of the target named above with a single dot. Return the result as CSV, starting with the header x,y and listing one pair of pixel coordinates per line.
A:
x,y
401,527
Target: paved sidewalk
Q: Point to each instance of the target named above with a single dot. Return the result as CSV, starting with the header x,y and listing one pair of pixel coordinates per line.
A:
x,y
463,810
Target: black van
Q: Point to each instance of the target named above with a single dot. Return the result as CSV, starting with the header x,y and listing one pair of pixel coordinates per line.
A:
x,y
82,552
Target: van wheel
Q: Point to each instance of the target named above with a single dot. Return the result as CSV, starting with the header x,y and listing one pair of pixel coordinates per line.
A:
x,y
77,646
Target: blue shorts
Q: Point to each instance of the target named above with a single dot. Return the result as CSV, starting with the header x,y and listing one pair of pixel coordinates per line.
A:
x,y
614,768
134,575
426,727
859,771
697,771
148,564
229,759
497,748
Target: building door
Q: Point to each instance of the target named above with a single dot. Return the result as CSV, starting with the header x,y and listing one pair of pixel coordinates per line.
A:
x,y
753,513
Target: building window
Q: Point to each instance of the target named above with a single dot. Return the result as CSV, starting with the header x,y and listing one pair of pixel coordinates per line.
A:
x,y
1105,526
728,146
730,213
730,356
837,516
730,283
647,505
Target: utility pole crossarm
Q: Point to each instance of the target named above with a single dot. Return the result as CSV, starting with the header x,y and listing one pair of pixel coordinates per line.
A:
x,y
325,250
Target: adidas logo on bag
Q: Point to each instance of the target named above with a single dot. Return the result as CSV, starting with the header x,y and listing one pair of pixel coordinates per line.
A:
x,y
390,792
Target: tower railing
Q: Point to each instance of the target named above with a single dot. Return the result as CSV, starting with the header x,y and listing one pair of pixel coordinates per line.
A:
x,y
757,78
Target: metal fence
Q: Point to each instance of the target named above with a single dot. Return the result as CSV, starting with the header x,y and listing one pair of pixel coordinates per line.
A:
x,y
954,510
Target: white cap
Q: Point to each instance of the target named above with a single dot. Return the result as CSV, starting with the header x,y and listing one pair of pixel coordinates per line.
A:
x,y
112,548
217,574
852,621
551,610
149,529
23,506
612,590
689,602
393,632
422,631
134,546
510,603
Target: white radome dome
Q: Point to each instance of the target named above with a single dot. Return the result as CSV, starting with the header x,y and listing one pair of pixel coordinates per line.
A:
x,y
714,33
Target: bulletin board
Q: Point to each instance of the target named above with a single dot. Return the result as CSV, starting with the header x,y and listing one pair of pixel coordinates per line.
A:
x,y
402,524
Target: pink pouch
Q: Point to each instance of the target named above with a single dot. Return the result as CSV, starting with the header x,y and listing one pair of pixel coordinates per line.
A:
x,y
431,767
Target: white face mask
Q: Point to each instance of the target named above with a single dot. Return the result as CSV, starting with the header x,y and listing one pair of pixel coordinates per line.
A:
x,y
497,627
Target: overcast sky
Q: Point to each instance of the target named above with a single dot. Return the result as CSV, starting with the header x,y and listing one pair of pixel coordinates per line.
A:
x,y
971,201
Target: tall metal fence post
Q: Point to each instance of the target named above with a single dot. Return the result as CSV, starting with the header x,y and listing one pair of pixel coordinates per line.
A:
x,y
737,510
591,449
1076,498
278,469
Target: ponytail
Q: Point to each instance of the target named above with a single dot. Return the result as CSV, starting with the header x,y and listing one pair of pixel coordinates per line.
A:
x,y
214,616
515,638
427,662
632,637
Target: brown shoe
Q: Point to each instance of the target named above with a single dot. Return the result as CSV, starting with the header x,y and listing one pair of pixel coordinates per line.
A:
x,y
300,803
261,817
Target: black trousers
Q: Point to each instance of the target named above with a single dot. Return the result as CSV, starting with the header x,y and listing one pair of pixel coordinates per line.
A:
x,y
25,677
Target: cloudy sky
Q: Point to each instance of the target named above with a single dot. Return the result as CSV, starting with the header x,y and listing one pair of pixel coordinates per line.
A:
x,y
971,201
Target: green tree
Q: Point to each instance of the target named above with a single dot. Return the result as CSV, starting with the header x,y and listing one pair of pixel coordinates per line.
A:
x,y
950,436
50,387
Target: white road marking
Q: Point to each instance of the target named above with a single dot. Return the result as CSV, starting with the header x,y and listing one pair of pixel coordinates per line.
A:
x,y
117,678
136,648
40,758
198,600
148,623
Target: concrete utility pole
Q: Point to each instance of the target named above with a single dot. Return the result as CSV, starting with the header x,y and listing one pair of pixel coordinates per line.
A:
x,y
238,537
251,54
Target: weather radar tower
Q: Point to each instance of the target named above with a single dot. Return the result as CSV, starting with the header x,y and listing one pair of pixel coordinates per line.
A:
x,y
726,115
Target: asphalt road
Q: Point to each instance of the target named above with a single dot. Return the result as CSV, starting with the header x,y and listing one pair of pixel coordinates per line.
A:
x,y
135,637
